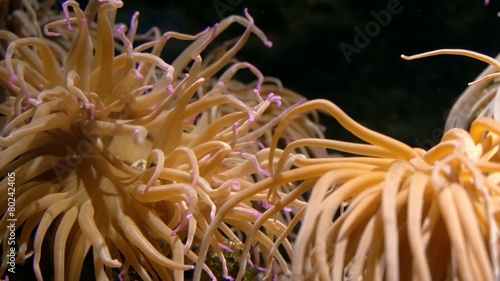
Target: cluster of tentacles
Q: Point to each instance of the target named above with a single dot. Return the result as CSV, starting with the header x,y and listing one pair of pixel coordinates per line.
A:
x,y
388,212
125,156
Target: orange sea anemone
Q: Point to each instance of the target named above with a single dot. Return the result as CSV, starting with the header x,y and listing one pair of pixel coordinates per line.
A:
x,y
387,211
120,155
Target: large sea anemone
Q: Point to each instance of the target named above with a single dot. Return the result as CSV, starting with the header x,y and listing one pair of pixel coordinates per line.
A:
x,y
126,158
387,211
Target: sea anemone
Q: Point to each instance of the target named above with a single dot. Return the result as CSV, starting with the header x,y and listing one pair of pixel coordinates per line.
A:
x,y
480,99
433,216
122,156
387,211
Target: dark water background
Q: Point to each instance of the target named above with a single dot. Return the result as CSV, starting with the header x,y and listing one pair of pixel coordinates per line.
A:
x,y
406,100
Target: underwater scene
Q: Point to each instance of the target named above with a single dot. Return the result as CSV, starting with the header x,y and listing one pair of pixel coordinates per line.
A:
x,y
249,140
